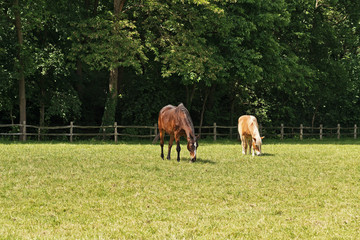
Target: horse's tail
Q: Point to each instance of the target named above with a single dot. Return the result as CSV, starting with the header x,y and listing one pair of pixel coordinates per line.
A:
x,y
156,138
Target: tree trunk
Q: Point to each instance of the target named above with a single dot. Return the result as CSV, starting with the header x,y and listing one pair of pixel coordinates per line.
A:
x,y
42,114
203,109
232,109
190,96
79,82
12,116
118,7
96,4
42,108
111,102
42,102
314,116
22,98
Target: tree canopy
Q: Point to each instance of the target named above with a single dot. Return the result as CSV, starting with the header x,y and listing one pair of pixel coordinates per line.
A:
x,y
87,60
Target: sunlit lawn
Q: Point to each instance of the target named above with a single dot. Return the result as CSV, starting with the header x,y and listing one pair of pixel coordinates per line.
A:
x,y
301,190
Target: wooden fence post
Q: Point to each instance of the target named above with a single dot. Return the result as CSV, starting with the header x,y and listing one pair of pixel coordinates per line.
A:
x,y
321,131
115,132
214,131
355,131
338,131
71,131
155,129
282,132
301,131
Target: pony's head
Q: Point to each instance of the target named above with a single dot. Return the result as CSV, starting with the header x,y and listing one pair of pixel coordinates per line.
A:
x,y
256,144
192,146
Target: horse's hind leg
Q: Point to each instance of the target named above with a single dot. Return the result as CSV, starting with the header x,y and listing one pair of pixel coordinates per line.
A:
x,y
170,145
162,133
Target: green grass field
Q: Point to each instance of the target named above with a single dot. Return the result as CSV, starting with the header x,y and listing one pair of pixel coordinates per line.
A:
x,y
296,190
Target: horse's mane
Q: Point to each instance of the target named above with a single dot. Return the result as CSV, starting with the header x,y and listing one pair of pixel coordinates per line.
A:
x,y
188,119
255,126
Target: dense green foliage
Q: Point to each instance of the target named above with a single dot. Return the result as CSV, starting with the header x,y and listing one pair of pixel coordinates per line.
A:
x,y
284,61
297,190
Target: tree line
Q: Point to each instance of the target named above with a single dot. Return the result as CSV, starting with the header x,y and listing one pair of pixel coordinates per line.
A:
x,y
96,62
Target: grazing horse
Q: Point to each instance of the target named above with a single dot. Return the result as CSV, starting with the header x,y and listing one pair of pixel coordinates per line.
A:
x,y
176,122
249,134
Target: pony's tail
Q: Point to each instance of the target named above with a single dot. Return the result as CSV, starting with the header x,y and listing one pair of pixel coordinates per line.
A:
x,y
156,138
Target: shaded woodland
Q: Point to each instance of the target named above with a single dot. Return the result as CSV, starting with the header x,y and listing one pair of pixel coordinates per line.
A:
x,y
96,62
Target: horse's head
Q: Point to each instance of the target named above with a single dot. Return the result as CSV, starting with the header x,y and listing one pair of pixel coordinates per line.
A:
x,y
192,146
256,144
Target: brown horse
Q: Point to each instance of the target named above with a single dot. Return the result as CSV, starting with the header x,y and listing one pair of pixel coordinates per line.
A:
x,y
176,122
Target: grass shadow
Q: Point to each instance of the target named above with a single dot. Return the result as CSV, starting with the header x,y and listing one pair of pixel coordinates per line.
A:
x,y
198,161
204,161
267,155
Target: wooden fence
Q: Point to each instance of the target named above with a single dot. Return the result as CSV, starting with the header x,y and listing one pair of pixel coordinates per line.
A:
x,y
215,131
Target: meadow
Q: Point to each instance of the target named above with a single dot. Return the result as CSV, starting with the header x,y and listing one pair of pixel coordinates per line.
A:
x,y
296,190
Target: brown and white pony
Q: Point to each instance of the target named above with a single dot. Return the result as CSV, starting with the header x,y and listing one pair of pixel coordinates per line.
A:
x,y
249,134
176,122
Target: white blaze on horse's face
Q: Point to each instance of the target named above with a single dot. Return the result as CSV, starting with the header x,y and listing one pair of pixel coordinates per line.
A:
x,y
192,147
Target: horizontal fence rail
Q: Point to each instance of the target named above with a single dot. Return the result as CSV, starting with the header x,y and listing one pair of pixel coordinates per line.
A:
x,y
115,131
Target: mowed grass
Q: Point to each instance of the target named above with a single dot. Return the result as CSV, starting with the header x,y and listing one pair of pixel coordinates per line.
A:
x,y
296,190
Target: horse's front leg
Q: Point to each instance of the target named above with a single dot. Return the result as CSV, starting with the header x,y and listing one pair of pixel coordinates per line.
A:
x,y
170,145
162,133
244,144
250,146
178,149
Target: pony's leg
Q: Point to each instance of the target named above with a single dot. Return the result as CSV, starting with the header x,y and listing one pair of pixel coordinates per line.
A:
x,y
162,133
170,145
244,144
250,145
